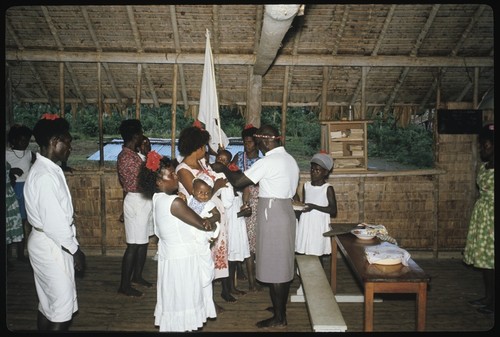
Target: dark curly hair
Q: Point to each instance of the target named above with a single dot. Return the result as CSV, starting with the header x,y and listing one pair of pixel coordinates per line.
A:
x,y
45,129
17,131
191,139
248,132
147,178
129,128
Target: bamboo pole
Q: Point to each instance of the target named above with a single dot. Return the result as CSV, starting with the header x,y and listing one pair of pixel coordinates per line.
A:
x,y
61,88
138,92
174,110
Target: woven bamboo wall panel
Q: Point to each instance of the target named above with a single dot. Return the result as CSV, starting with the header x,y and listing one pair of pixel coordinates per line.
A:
x,y
457,190
406,205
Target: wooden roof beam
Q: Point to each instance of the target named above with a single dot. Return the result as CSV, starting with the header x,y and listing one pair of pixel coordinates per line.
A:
x,y
140,49
380,39
463,37
175,29
60,46
109,75
277,21
238,59
413,53
30,64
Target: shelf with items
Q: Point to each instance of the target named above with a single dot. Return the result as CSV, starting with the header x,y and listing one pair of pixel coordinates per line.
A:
x,y
346,141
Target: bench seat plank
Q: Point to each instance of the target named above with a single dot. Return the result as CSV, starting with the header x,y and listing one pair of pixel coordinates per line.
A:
x,y
324,311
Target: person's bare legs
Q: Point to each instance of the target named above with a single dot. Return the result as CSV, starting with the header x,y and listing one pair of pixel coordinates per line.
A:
x,y
279,298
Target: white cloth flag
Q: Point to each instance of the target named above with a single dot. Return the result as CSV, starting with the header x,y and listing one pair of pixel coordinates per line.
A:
x,y
209,104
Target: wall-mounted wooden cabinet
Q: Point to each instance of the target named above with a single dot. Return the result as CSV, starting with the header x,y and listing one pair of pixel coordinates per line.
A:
x,y
346,142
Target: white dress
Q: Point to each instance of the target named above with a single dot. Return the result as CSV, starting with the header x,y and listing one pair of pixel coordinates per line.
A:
x,y
185,272
237,236
311,226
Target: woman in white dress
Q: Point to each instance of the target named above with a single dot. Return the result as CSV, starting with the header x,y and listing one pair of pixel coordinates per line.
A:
x,y
185,274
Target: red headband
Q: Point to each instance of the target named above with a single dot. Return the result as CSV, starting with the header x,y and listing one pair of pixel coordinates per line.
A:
x,y
49,116
267,136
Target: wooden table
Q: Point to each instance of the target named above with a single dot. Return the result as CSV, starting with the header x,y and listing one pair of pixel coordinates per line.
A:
x,y
378,278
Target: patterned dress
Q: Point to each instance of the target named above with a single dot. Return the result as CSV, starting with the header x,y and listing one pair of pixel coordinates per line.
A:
x,y
13,221
480,245
244,163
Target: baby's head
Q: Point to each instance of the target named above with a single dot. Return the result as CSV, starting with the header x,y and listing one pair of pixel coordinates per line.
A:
x,y
203,187
224,157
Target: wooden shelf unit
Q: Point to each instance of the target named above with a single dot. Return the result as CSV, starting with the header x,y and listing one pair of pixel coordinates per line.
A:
x,y
346,141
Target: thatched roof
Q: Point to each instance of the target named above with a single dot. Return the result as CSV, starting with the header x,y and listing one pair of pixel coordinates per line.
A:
x,y
373,55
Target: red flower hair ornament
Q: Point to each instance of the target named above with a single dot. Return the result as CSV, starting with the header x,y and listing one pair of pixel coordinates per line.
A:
x,y
153,160
49,116
248,126
233,167
197,124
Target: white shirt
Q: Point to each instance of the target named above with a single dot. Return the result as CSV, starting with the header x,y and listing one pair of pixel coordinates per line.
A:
x,y
277,174
48,203
21,159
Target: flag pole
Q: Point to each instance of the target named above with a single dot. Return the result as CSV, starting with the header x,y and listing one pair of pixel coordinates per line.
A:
x,y
216,98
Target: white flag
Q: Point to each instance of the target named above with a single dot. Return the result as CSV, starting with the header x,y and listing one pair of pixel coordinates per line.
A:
x,y
209,104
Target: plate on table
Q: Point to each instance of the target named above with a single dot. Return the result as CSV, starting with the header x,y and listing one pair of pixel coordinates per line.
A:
x,y
388,262
298,207
363,234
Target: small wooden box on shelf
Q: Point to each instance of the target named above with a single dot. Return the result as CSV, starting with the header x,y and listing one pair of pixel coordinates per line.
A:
x,y
346,141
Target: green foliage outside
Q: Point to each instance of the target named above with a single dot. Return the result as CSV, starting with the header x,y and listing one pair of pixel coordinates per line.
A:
x,y
412,145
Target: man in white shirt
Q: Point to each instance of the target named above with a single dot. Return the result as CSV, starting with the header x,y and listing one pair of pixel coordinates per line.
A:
x,y
53,249
277,174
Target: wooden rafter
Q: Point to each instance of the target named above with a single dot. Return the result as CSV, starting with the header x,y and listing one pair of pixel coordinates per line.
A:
x,y
413,53
60,46
381,37
30,64
109,75
140,49
177,44
454,52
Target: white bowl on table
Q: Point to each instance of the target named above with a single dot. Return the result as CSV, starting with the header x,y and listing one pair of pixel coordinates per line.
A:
x,y
363,233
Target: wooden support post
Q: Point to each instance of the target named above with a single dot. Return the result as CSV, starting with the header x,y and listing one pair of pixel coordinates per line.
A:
x,y
138,92
61,88
174,110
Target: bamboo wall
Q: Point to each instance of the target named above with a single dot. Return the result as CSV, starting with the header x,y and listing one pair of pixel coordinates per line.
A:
x,y
424,210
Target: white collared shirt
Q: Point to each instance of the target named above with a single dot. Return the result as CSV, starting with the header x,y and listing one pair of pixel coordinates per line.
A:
x,y
277,174
48,203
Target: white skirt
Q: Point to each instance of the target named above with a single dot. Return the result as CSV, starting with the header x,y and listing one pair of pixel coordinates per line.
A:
x,y
138,218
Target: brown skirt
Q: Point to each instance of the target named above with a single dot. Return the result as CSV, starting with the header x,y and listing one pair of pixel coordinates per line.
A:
x,y
275,246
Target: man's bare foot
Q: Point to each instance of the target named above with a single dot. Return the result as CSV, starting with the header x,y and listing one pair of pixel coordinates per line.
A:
x,y
228,297
131,292
271,323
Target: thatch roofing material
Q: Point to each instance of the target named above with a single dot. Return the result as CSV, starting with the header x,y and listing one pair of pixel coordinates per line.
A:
x,y
405,50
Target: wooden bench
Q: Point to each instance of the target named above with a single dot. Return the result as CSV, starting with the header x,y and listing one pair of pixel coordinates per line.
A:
x,y
324,312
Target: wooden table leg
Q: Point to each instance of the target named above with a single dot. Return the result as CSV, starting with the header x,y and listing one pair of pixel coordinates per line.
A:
x,y
421,305
368,325
333,265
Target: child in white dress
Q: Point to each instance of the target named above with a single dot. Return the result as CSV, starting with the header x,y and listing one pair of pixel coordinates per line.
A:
x,y
200,202
238,246
320,206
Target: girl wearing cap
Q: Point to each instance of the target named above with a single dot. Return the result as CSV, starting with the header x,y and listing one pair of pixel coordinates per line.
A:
x,y
480,244
320,206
